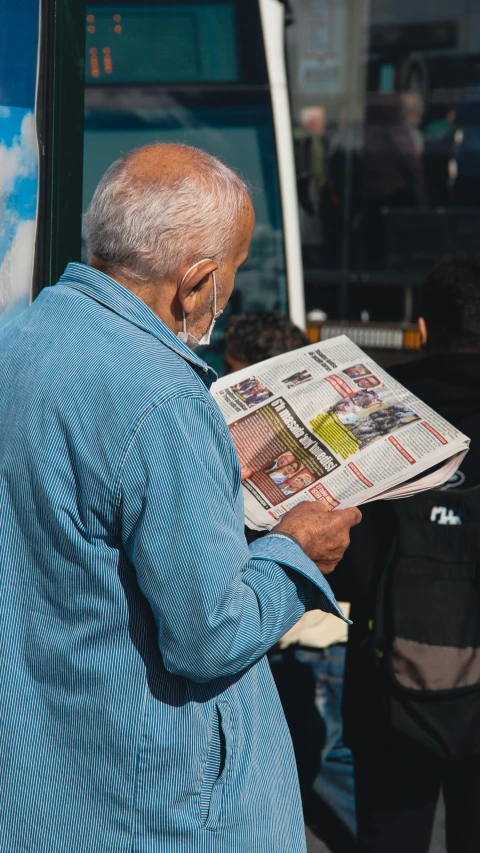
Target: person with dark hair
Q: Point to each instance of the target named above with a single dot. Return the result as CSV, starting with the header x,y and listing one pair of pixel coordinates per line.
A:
x,y
412,684
281,475
255,337
450,306
308,663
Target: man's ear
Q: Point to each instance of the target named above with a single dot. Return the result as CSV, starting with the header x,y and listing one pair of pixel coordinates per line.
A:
x,y
192,284
422,328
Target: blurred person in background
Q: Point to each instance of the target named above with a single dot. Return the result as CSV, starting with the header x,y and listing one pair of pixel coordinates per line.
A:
x,y
309,661
392,174
319,200
412,682
414,108
311,159
250,338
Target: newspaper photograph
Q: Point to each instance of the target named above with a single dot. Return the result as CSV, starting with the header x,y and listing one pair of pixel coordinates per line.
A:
x,y
326,423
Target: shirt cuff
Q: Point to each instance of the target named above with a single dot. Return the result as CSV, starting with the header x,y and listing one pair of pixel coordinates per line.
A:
x,y
287,536
284,549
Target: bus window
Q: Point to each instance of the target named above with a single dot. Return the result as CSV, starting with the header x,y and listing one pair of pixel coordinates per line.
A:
x,y
191,72
386,106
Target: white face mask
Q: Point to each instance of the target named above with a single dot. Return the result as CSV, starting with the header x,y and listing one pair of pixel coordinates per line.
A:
x,y
190,340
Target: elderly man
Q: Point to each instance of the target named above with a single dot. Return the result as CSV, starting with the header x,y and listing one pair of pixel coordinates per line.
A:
x,y
138,709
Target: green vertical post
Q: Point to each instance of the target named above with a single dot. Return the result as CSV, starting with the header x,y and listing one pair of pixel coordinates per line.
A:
x,y
60,111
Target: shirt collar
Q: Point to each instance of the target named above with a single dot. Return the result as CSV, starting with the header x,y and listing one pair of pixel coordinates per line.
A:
x,y
122,301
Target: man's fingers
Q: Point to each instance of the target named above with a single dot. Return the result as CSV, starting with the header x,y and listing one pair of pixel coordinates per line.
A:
x,y
352,515
323,535
246,473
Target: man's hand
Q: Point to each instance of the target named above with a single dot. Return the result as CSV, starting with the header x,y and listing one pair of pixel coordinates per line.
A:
x,y
323,535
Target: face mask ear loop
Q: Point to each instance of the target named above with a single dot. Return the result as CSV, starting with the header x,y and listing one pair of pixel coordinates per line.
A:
x,y
183,312
214,290
214,295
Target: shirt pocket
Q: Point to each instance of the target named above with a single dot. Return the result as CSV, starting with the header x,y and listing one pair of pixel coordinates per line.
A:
x,y
218,766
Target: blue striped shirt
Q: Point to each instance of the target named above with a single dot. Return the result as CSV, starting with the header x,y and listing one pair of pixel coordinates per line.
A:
x,y
138,712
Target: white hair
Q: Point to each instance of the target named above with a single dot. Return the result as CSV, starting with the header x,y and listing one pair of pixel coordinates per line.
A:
x,y
148,230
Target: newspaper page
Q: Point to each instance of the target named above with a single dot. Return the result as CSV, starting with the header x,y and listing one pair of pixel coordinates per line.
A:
x,y
325,422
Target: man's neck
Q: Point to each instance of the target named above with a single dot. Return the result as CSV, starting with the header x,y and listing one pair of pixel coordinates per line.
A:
x,y
154,294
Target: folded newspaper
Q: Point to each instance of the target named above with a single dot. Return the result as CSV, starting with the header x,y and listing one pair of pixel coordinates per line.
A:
x,y
326,423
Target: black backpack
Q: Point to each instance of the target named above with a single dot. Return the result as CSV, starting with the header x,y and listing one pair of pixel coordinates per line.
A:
x,y
426,629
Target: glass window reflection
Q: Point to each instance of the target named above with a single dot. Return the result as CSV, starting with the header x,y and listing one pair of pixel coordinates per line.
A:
x,y
386,104
193,71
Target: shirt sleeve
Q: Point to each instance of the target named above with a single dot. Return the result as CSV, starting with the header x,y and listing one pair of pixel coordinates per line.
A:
x,y
219,604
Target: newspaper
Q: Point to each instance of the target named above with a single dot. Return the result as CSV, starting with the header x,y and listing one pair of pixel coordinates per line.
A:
x,y
326,423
